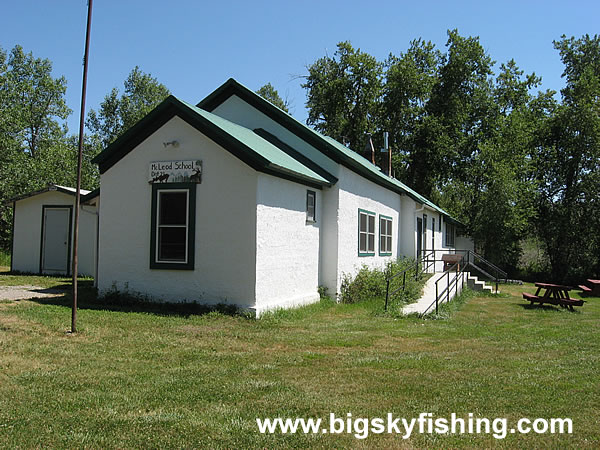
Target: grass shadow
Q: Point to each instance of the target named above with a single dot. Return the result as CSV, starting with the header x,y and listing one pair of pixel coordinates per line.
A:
x,y
546,307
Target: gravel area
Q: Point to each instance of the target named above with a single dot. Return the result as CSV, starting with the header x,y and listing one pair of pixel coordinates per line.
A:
x,y
24,292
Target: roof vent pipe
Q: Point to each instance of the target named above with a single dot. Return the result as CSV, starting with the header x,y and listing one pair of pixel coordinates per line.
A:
x,y
386,149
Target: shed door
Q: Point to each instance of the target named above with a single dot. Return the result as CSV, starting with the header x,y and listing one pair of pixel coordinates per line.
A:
x,y
56,240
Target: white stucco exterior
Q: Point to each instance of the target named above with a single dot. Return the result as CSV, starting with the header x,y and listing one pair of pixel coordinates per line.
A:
x,y
356,193
27,233
225,228
287,246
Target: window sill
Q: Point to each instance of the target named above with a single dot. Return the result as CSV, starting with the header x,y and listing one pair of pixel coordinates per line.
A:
x,y
366,254
172,266
385,254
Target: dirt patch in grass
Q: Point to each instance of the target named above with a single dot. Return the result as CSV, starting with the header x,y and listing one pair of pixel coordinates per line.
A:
x,y
27,292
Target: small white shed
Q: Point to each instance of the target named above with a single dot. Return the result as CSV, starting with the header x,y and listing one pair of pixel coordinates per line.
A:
x,y
43,224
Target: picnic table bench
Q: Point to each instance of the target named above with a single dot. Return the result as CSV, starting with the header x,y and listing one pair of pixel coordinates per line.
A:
x,y
594,290
555,294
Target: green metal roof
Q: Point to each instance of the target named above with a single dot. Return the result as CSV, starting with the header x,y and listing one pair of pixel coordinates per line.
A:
x,y
241,142
277,158
368,165
330,147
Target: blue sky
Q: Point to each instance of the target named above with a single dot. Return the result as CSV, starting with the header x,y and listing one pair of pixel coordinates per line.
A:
x,y
193,47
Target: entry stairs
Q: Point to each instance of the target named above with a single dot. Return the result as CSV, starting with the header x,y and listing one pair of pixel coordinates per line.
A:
x,y
423,305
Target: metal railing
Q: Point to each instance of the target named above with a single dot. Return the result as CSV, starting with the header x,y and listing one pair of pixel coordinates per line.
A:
x,y
421,265
476,261
459,270
428,260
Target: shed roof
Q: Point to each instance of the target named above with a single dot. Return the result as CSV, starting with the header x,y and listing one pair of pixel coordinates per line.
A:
x,y
50,188
243,143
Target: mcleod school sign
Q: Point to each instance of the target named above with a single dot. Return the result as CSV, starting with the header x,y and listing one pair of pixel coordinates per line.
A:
x,y
175,171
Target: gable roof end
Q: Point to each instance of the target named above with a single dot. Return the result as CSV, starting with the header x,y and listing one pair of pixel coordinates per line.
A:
x,y
241,142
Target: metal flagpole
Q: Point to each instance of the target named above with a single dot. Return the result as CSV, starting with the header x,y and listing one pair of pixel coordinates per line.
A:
x,y
79,158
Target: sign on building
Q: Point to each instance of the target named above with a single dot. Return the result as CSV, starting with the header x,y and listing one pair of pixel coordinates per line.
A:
x,y
175,171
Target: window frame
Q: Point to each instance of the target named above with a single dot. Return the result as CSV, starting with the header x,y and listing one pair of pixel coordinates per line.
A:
x,y
367,251
190,189
310,194
450,231
390,220
433,235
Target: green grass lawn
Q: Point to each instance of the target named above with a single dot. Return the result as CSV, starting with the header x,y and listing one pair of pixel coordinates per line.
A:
x,y
134,378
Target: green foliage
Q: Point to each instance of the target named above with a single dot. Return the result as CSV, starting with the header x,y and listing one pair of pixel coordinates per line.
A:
x,y
568,166
4,258
494,154
367,284
35,147
31,103
343,93
119,113
370,284
268,92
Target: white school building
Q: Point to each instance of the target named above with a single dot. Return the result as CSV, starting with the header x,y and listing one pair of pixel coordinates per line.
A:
x,y
234,201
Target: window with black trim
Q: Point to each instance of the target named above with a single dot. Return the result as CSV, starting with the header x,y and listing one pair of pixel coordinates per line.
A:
x,y
366,233
449,235
311,206
173,225
385,235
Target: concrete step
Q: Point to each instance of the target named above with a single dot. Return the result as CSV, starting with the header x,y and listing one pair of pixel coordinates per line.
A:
x,y
476,284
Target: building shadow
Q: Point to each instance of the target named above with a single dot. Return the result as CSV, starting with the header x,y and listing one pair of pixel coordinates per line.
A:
x,y
87,299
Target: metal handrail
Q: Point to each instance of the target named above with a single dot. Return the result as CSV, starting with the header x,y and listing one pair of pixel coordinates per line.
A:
x,y
496,278
429,257
489,264
418,272
459,269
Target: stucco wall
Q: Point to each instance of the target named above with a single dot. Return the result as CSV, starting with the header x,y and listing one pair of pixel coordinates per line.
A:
x,y
28,232
287,247
464,243
407,243
225,234
358,193
328,261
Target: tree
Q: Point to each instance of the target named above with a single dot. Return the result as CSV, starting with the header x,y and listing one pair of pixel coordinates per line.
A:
x,y
568,165
494,196
31,103
268,92
118,113
343,95
410,79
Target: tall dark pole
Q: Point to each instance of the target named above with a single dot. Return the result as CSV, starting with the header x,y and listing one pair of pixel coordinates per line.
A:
x,y
79,158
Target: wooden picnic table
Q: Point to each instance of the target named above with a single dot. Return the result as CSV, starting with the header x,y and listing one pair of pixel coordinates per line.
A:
x,y
595,287
555,294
